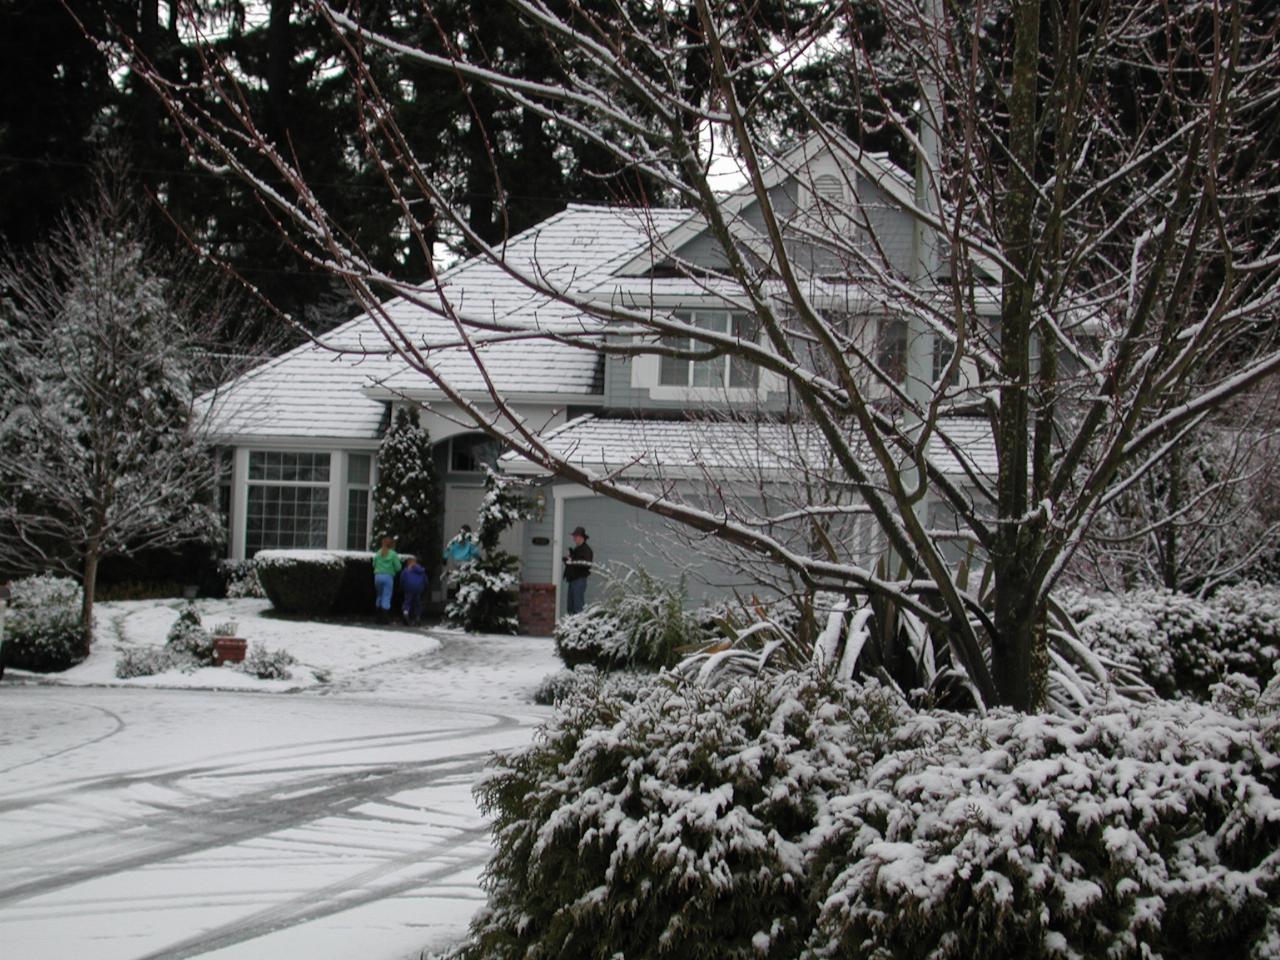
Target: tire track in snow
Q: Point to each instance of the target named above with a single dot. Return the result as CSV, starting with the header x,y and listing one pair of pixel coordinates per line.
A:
x,y
221,822
115,718
246,758
337,897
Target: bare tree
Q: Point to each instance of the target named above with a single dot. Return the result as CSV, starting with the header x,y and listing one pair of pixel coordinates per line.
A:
x,y
99,452
1208,514
1094,255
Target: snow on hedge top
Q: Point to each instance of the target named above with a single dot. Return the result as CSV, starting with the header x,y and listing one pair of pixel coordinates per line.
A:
x,y
270,558
684,448
319,390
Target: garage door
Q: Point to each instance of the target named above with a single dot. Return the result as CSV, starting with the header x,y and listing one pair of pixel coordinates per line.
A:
x,y
624,537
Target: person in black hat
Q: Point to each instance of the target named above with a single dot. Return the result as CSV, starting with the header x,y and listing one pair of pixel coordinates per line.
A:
x,y
577,567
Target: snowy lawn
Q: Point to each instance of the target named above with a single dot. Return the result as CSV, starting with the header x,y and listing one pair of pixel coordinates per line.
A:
x,y
336,823
325,651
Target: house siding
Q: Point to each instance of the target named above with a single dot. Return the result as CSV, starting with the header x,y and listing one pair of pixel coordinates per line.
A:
x,y
624,537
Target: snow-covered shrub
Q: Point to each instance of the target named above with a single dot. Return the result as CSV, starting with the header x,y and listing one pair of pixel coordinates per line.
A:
x,y
1138,832
356,594
43,629
241,579
1248,619
407,500
485,598
556,686
305,582
267,664
592,638
485,589
188,636
794,816
640,622
1180,644
147,661
562,684
659,818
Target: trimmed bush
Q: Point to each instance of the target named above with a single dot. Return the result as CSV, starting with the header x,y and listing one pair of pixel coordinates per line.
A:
x,y
356,595
640,623
305,582
1183,645
797,817
43,628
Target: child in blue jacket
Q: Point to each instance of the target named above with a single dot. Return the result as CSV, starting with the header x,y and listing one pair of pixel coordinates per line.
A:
x,y
413,583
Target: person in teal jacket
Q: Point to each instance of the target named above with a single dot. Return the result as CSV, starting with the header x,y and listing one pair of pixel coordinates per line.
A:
x,y
386,564
458,551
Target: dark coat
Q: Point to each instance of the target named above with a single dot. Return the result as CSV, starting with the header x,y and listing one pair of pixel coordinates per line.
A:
x,y
578,566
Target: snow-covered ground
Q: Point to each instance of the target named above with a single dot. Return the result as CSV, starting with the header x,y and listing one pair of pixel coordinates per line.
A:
x,y
336,822
325,651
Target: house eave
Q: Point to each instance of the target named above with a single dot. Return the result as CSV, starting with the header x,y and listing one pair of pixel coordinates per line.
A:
x,y
432,395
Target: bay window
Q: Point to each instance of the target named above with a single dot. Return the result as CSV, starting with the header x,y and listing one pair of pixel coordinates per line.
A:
x,y
288,500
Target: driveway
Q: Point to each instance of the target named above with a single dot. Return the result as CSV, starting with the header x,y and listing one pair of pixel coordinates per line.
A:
x,y
140,823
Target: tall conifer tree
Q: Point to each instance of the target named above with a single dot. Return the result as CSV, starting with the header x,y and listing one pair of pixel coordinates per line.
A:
x,y
406,500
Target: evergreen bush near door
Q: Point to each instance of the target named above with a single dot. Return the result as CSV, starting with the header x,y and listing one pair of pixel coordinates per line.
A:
x,y
486,588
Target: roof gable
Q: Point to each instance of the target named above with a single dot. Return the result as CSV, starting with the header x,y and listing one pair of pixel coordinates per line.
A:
x,y
335,387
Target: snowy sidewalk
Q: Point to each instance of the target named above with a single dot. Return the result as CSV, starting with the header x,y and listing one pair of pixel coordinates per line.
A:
x,y
337,823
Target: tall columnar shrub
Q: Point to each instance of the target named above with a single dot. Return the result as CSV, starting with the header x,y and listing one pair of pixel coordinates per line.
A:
x,y
486,597
406,499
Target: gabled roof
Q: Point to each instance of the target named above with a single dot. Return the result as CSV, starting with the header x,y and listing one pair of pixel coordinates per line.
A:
x,y
682,449
874,166
335,388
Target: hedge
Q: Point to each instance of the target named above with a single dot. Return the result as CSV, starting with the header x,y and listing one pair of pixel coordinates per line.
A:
x,y
798,817
43,630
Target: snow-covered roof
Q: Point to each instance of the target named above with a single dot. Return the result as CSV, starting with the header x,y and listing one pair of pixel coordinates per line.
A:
x,y
684,448
336,388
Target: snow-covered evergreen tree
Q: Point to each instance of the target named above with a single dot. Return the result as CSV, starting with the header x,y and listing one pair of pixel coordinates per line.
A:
x,y
485,601
406,501
100,453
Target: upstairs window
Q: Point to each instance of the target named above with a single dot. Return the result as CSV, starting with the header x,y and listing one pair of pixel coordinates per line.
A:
x,y
723,371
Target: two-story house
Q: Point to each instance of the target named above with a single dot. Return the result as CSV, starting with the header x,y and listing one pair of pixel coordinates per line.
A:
x,y
300,433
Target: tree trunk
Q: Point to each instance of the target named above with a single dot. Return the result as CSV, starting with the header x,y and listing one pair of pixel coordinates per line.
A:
x,y
90,586
1014,555
1169,536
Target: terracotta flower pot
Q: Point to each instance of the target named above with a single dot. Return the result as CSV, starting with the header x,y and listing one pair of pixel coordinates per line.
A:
x,y
228,650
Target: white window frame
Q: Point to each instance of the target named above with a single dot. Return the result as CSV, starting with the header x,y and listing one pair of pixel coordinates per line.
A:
x,y
347,486
646,370
333,481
